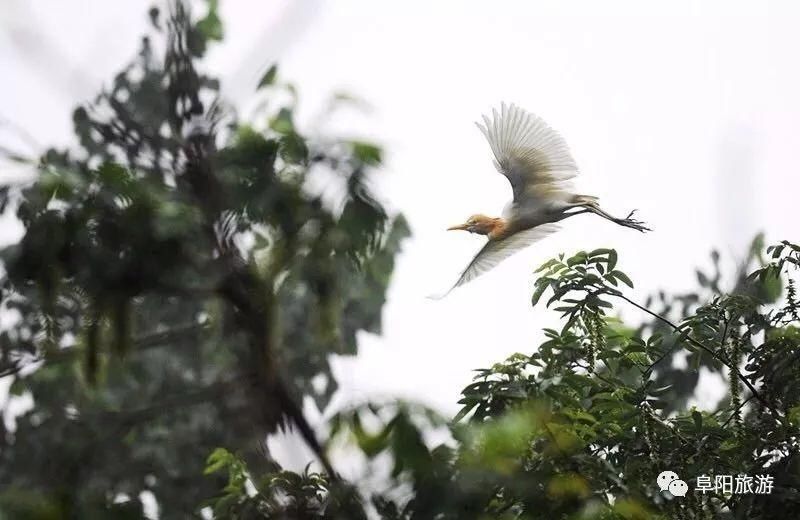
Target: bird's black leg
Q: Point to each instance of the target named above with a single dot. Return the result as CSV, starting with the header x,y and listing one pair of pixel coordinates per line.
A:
x,y
628,221
633,223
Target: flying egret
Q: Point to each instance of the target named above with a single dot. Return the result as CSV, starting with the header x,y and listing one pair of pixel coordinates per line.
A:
x,y
537,162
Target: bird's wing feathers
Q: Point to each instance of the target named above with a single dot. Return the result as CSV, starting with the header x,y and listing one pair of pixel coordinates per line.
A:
x,y
534,157
495,251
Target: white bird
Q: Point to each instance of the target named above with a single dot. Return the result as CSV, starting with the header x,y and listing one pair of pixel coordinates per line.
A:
x,y
537,162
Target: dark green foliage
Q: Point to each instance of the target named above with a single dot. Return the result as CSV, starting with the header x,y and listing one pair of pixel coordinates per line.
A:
x,y
582,427
269,77
278,494
178,287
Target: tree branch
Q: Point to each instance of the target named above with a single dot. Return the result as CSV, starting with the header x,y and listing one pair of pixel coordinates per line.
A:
x,y
699,345
251,296
736,411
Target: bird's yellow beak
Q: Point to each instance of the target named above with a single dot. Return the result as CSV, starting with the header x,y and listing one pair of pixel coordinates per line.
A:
x,y
460,227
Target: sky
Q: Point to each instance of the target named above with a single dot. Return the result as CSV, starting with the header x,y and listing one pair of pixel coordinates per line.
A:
x,y
687,111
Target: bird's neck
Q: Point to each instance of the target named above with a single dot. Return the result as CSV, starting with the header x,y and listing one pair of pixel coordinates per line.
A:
x,y
499,229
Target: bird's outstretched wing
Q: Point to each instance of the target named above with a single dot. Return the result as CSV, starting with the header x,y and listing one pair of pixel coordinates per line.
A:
x,y
495,251
534,157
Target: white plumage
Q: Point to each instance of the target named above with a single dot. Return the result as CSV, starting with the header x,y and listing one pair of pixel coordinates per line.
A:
x,y
534,158
495,251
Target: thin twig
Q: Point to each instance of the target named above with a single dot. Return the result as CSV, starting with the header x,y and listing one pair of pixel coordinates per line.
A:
x,y
699,345
652,366
736,412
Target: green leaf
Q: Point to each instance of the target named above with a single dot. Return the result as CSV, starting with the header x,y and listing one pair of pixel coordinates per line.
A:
x,y
696,357
612,259
294,148
794,416
619,275
697,417
580,415
282,123
546,265
537,294
218,459
269,77
464,411
579,258
211,26
367,153
18,387
638,358
771,287
116,179
600,252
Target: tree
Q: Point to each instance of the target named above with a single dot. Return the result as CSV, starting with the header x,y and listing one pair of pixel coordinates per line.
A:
x,y
177,287
582,426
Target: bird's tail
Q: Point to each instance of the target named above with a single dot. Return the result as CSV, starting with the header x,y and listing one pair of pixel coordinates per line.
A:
x,y
585,199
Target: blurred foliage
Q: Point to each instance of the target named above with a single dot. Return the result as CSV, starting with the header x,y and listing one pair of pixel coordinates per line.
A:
x,y
179,286
581,428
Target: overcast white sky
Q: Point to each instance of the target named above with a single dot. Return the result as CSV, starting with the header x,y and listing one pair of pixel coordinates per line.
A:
x,y
685,110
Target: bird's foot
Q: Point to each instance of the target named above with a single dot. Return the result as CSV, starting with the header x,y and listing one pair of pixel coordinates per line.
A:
x,y
632,223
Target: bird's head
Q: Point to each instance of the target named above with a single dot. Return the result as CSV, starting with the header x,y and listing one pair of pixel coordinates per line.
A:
x,y
480,224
